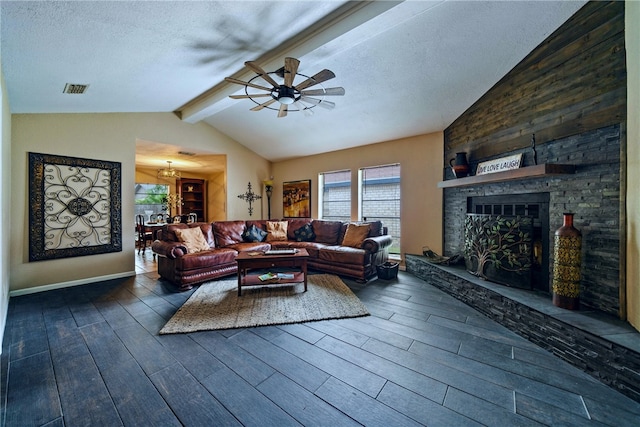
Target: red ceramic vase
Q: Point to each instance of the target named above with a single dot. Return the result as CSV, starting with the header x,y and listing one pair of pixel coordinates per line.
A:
x,y
459,165
567,260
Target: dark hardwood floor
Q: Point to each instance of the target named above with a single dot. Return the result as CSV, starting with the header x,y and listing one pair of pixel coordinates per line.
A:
x,y
91,355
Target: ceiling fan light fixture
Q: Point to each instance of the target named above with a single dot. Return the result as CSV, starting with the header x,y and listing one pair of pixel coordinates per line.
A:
x,y
286,95
285,99
285,91
168,172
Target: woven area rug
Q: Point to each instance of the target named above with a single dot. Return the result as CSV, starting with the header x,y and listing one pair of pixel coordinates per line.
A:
x,y
216,305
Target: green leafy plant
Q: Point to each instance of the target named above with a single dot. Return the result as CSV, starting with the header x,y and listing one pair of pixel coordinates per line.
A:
x,y
498,241
155,196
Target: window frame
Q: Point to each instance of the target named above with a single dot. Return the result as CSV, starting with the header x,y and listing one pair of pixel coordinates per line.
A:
x,y
322,187
393,223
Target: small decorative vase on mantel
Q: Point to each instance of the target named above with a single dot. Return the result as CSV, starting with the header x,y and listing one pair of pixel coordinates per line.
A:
x,y
567,255
459,165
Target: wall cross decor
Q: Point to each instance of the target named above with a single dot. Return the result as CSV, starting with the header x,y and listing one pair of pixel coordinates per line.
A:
x,y
249,197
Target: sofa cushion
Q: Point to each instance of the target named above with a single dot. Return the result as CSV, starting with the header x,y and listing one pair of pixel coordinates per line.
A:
x,y
193,239
326,231
228,232
375,228
169,232
254,234
305,234
355,235
206,259
342,255
276,231
294,224
260,223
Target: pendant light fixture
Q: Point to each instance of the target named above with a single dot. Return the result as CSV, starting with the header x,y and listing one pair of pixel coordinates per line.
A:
x,y
168,172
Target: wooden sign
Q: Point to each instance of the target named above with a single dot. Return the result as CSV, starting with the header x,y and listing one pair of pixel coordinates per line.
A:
x,y
499,165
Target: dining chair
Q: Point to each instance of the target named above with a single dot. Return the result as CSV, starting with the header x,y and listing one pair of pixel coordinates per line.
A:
x,y
144,235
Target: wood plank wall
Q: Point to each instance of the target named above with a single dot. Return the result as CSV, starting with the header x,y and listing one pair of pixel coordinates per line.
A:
x,y
573,82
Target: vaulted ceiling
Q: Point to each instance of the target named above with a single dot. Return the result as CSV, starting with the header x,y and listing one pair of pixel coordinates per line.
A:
x,y
408,68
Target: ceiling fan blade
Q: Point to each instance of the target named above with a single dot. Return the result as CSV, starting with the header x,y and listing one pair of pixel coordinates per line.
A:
x,y
291,69
320,77
240,82
283,110
331,91
319,102
256,68
264,104
255,95
307,111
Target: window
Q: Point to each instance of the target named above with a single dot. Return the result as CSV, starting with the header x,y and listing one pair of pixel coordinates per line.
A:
x,y
380,199
335,190
149,199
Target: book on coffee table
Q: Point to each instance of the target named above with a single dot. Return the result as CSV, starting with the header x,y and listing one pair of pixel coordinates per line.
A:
x,y
268,276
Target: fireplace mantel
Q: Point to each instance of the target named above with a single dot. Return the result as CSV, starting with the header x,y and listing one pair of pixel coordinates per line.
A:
x,y
537,171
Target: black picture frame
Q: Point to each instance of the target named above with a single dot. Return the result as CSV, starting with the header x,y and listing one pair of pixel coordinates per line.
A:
x,y
296,199
75,207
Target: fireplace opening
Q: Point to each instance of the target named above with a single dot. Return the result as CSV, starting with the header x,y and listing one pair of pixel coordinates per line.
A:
x,y
533,208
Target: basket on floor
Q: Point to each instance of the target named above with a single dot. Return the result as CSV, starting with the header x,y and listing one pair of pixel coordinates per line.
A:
x,y
388,270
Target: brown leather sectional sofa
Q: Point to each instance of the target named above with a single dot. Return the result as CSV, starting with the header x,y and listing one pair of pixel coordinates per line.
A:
x,y
226,240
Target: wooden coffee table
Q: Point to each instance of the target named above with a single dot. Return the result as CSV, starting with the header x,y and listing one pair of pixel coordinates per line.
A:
x,y
297,262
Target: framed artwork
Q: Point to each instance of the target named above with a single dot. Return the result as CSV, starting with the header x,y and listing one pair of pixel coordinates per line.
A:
x,y
296,199
75,207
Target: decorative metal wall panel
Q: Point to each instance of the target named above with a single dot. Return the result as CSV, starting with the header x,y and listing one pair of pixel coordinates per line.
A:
x,y
75,207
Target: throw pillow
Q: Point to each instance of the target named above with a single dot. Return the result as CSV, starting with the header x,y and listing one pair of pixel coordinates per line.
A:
x,y
193,239
355,235
305,234
276,231
254,234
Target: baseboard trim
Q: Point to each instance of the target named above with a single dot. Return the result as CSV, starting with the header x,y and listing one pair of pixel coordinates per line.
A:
x,y
52,286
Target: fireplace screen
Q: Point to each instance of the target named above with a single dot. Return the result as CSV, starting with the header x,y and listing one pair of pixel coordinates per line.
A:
x,y
499,248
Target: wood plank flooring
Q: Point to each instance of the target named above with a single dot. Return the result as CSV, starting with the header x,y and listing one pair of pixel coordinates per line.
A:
x,y
91,356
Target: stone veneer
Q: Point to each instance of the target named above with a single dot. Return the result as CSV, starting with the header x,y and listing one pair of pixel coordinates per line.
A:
x,y
592,193
611,363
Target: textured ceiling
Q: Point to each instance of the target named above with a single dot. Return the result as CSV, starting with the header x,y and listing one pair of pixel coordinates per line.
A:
x,y
408,67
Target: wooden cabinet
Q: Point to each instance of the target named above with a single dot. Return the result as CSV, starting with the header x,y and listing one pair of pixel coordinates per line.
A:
x,y
194,197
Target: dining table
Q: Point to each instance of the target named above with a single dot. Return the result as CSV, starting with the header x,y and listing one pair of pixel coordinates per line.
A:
x,y
155,227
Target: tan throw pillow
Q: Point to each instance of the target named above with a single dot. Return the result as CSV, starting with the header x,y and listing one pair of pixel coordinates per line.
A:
x,y
355,235
193,239
276,231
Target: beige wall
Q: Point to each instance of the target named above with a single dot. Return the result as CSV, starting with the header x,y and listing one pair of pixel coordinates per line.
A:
x,y
5,197
420,159
108,137
632,41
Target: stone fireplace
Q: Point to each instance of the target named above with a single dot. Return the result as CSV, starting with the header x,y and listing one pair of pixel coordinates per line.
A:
x,y
592,193
591,189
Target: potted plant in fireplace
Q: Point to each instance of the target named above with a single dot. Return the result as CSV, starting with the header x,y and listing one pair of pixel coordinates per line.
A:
x,y
499,248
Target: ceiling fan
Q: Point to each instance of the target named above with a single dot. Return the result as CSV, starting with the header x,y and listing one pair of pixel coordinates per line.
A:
x,y
285,92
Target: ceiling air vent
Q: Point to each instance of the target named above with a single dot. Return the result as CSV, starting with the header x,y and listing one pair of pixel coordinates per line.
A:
x,y
75,88
186,153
